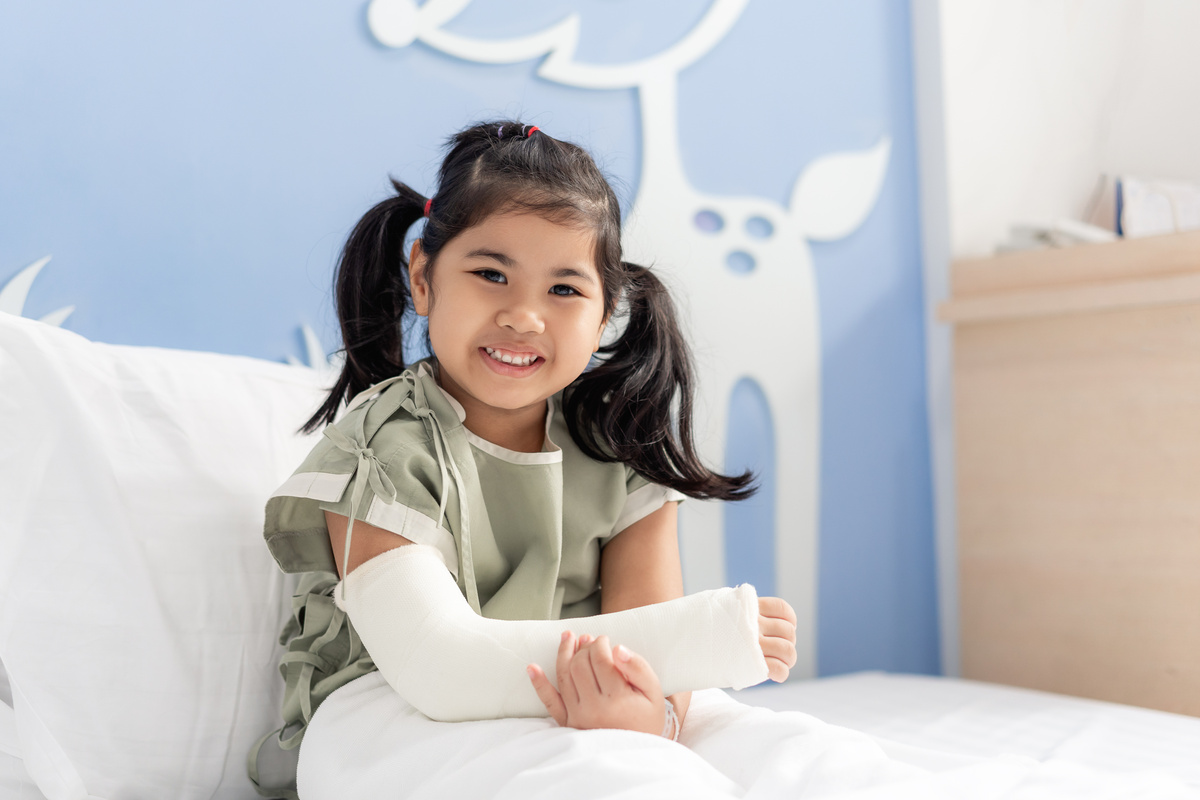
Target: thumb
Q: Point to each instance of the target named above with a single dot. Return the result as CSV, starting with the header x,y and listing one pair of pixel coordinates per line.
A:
x,y
547,694
637,671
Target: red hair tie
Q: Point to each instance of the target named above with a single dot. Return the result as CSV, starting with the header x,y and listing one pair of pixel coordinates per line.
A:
x,y
428,205
531,130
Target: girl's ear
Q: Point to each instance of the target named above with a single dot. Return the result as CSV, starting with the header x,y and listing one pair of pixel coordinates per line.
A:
x,y
418,285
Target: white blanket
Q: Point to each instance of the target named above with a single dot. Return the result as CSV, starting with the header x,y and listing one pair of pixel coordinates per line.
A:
x,y
366,742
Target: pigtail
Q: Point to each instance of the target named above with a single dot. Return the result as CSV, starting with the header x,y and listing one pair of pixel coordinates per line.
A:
x,y
372,296
635,406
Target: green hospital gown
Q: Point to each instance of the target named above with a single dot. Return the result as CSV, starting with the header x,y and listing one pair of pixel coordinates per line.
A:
x,y
520,532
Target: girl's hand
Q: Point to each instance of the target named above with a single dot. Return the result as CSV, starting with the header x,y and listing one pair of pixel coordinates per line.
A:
x,y
601,687
777,636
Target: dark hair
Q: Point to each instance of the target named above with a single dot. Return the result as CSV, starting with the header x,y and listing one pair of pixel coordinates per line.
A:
x,y
634,405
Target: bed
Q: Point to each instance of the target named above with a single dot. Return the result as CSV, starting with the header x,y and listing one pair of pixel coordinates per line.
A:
x,y
139,609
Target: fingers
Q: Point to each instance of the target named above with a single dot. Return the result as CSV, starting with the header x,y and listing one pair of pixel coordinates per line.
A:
x,y
780,655
610,681
777,670
603,696
769,626
582,673
567,648
637,671
547,694
778,608
777,636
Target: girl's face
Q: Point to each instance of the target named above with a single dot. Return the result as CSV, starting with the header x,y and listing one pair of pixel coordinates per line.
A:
x,y
515,287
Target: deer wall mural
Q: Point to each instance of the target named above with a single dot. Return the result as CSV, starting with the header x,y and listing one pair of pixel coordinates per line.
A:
x,y
740,268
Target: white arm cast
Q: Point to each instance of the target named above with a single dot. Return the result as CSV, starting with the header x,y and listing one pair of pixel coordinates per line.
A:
x,y
452,664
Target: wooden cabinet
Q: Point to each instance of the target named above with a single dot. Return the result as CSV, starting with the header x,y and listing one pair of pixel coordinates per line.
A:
x,y
1077,425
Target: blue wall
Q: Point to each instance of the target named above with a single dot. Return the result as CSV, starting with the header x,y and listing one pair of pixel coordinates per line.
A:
x,y
193,169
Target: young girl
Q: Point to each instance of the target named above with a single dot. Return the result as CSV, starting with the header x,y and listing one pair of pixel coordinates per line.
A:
x,y
535,468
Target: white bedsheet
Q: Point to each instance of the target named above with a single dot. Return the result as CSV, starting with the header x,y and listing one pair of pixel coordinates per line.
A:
x,y
365,742
14,780
944,721
983,719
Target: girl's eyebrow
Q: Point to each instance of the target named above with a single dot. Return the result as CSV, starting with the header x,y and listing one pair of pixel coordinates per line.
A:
x,y
561,272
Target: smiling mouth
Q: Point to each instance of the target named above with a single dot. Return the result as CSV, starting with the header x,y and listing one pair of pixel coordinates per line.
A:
x,y
513,359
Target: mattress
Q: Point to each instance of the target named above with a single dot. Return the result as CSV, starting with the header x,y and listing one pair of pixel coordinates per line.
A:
x,y
946,715
970,718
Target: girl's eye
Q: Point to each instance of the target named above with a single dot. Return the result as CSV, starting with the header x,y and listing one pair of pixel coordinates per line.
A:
x,y
563,291
491,276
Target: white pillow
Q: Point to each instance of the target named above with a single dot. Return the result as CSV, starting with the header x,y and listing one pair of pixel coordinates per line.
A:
x,y
139,607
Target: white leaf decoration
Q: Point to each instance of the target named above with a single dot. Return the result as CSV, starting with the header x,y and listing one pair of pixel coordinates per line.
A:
x,y
16,291
834,194
12,296
57,318
314,352
313,348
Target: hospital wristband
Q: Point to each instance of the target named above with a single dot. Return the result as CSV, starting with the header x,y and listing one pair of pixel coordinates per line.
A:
x,y
670,722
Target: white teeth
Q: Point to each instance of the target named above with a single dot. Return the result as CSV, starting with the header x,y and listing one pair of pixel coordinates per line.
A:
x,y
520,361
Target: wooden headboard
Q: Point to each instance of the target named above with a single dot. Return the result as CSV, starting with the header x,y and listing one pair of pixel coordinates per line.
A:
x,y
1077,425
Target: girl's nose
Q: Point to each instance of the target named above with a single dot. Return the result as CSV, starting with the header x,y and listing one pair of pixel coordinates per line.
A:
x,y
521,318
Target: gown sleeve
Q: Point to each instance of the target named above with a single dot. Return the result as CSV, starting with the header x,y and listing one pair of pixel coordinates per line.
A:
x,y
642,498
400,491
